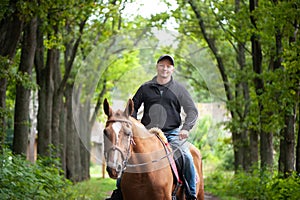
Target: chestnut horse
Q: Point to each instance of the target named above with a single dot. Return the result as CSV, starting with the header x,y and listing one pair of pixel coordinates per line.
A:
x,y
141,158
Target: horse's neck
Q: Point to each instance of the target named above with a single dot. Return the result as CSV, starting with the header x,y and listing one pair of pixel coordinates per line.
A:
x,y
146,149
143,139
139,130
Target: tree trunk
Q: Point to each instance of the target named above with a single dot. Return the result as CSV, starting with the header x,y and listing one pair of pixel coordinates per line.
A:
x,y
58,133
22,120
70,137
290,143
221,67
10,31
254,148
298,142
63,138
40,79
287,146
238,154
56,107
243,109
77,151
85,136
266,139
46,84
287,141
45,104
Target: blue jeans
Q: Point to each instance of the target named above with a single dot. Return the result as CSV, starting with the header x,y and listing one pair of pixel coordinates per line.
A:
x,y
189,172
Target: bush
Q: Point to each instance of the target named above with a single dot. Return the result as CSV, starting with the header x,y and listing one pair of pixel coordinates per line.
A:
x,y
284,188
20,179
217,183
255,185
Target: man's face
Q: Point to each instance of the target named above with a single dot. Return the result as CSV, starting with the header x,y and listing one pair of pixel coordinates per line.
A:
x,y
164,68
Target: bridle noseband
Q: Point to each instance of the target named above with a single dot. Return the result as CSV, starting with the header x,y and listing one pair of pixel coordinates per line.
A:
x,y
119,120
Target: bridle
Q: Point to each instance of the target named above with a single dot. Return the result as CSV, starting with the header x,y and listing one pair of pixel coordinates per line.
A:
x,y
119,120
113,148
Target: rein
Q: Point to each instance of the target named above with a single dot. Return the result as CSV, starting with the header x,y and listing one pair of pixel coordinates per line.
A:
x,y
156,160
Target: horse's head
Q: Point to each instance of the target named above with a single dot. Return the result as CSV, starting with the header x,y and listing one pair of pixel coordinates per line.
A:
x,y
117,138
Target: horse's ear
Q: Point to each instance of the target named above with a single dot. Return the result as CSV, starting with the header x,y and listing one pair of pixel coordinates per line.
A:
x,y
107,109
129,108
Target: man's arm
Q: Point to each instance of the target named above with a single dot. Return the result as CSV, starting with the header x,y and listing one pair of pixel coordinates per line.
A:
x,y
190,110
137,100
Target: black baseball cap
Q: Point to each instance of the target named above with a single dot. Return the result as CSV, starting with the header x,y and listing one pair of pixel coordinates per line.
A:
x,y
166,56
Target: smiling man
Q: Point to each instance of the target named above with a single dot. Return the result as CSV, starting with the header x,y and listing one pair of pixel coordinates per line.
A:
x,y
163,98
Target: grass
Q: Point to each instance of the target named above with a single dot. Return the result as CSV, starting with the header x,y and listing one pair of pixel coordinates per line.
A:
x,y
97,188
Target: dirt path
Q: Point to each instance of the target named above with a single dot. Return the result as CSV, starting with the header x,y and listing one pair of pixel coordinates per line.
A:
x,y
208,196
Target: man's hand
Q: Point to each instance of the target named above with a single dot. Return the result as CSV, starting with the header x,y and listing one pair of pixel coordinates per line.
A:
x,y
183,134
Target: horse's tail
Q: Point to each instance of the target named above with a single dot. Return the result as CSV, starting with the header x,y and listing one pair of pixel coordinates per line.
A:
x,y
197,157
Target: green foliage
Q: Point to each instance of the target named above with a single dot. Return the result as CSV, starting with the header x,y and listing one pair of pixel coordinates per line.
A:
x,y
4,7
214,144
20,179
288,188
9,70
217,184
253,185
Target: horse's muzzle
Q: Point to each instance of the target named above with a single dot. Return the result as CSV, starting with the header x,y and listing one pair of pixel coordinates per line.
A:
x,y
114,173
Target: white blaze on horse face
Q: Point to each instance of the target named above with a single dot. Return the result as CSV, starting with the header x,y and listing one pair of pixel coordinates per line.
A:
x,y
117,128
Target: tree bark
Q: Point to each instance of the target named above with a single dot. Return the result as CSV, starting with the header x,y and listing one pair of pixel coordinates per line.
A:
x,y
86,139
289,166
45,105
56,107
63,138
298,142
22,120
244,108
45,93
59,86
70,137
266,139
11,27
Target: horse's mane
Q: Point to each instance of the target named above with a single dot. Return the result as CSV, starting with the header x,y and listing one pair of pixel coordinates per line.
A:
x,y
159,133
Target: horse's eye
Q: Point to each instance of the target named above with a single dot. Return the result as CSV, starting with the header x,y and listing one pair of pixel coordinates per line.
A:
x,y
127,131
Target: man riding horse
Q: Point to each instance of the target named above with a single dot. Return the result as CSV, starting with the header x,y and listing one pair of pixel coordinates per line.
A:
x,y
162,99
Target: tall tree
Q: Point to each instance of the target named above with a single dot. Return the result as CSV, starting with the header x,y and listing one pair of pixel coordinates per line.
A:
x,y
266,139
22,121
45,82
251,109
239,136
288,133
11,26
